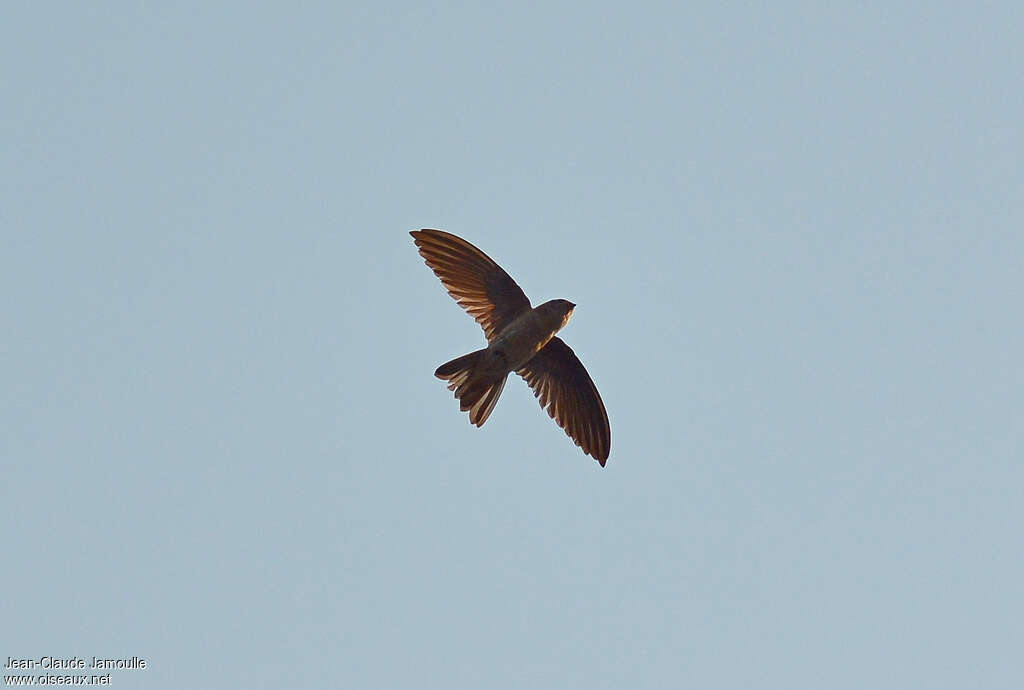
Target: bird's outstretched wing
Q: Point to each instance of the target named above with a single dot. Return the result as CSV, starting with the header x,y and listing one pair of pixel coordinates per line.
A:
x,y
564,387
479,285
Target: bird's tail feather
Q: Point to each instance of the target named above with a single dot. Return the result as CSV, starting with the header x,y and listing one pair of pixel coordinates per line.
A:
x,y
477,387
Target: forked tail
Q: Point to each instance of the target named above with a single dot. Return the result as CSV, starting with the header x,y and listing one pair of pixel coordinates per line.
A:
x,y
477,383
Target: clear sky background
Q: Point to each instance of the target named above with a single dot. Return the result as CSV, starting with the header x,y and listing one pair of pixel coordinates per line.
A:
x,y
796,238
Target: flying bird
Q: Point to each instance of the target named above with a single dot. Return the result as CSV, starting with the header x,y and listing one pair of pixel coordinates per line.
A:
x,y
520,338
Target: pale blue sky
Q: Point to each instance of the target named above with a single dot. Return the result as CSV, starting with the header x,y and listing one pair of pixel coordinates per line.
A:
x,y
794,233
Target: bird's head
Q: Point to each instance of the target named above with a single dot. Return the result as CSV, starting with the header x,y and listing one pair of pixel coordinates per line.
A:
x,y
560,309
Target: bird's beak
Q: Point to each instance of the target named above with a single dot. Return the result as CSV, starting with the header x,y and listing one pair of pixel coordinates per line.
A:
x,y
568,314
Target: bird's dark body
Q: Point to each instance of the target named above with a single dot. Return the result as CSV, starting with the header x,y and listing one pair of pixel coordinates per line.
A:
x,y
531,331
